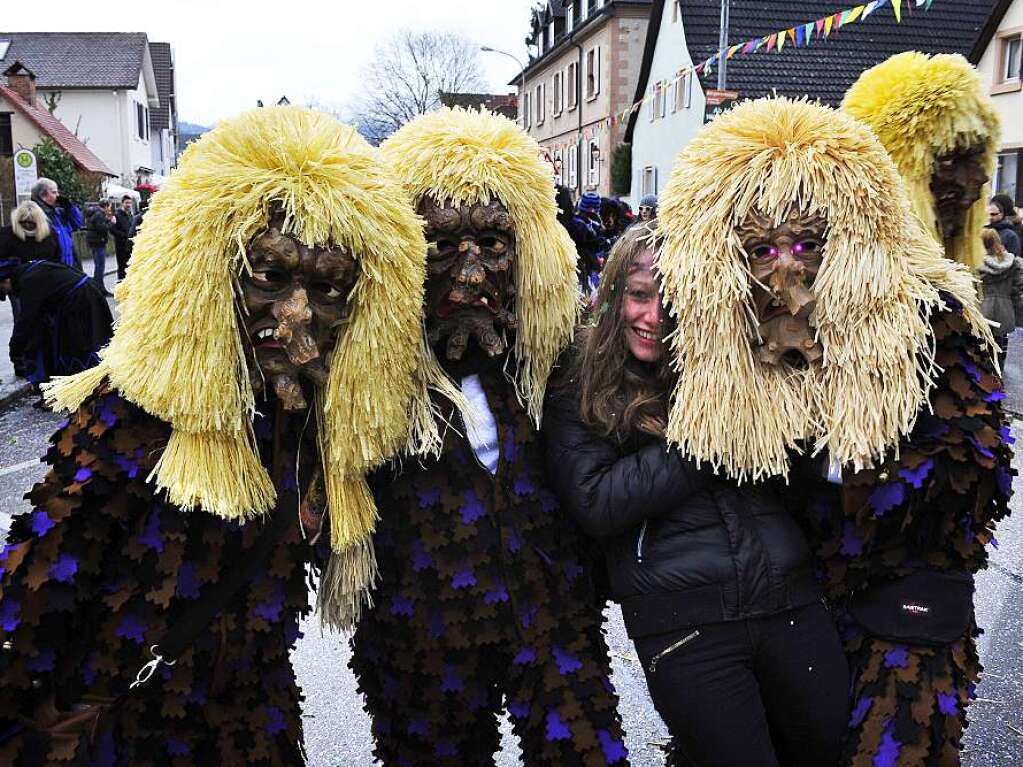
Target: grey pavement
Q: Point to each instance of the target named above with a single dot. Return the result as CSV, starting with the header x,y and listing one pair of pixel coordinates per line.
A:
x,y
337,728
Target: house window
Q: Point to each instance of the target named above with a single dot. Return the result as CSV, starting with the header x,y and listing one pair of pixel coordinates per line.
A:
x,y
1006,174
569,17
584,6
651,107
593,162
4,45
140,120
146,116
550,35
538,97
674,89
1011,49
6,135
676,11
687,99
659,99
558,169
526,114
648,185
573,166
592,73
573,85
558,84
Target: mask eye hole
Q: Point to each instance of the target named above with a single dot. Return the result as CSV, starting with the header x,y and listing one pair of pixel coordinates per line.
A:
x,y
270,278
764,252
807,248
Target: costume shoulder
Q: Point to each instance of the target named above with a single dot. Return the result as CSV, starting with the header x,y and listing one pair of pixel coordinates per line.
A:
x,y
941,494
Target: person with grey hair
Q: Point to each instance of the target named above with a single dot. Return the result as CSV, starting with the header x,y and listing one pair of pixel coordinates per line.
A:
x,y
64,217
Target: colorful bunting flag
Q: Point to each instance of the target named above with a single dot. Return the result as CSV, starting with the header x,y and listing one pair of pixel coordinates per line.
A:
x,y
770,42
854,14
871,7
800,36
808,31
828,22
820,26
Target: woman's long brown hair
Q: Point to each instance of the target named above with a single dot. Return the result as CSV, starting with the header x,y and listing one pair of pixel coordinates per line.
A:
x,y
617,397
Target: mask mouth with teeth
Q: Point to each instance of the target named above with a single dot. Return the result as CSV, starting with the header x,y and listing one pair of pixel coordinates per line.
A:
x,y
470,287
956,184
295,298
784,260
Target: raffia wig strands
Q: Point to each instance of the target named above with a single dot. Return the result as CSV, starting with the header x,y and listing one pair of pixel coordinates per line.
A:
x,y
469,157
879,282
177,350
921,107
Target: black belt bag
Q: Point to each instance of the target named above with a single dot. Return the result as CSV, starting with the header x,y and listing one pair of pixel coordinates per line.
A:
x,y
929,607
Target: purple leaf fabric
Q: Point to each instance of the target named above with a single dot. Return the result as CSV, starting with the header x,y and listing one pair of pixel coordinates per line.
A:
x,y
450,681
41,523
556,729
64,568
188,582
83,474
897,657
519,710
886,497
567,663
852,544
428,498
525,656
614,750
888,753
402,606
463,579
860,712
275,721
131,628
523,486
948,704
472,509
150,537
916,476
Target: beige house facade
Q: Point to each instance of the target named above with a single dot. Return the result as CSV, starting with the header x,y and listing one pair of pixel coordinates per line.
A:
x,y
1000,70
584,64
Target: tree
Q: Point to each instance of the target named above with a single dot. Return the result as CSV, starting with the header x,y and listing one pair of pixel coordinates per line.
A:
x,y
56,164
407,75
621,169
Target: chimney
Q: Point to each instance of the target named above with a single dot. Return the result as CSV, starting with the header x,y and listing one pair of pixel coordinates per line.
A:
x,y
22,81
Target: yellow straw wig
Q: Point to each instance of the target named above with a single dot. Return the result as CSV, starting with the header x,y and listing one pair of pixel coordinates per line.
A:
x,y
922,107
468,157
879,282
177,351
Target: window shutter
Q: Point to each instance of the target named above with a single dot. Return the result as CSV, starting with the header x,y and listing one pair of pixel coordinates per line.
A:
x,y
596,77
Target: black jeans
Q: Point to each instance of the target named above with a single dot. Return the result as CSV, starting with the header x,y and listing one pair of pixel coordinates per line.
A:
x,y
770,691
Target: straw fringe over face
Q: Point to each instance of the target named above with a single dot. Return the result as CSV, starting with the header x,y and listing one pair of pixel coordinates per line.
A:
x,y
877,286
178,347
471,157
922,107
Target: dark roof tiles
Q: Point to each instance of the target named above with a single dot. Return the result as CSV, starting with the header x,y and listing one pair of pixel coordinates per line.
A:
x,y
163,71
826,68
78,59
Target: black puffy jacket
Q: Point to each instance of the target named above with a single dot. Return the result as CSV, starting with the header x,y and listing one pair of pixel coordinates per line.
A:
x,y
684,546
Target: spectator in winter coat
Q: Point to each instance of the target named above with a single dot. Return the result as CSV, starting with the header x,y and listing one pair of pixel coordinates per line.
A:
x,y
29,237
648,207
123,230
999,216
64,216
591,256
1008,206
1002,276
101,222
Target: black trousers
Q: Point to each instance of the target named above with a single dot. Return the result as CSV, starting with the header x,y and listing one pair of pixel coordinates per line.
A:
x,y
122,247
770,691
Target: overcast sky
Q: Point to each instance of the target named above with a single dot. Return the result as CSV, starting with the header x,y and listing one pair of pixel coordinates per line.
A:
x,y
229,53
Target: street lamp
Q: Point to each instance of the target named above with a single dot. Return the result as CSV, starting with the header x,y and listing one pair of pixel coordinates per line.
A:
x,y
522,69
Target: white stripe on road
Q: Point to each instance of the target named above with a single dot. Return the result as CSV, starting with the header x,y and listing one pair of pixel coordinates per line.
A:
x,y
19,467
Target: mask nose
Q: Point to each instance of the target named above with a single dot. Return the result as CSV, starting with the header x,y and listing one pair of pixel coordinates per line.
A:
x,y
294,318
788,282
471,271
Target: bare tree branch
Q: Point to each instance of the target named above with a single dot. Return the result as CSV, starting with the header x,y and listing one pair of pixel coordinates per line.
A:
x,y
407,75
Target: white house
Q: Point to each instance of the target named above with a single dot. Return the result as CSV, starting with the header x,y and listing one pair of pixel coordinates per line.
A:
x,y
163,118
101,85
1000,70
674,111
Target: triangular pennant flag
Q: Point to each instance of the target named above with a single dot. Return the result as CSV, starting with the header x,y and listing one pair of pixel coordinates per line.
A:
x,y
792,35
765,40
841,18
808,31
732,50
770,42
871,7
800,37
854,14
820,26
928,6
781,39
897,7
828,22
750,46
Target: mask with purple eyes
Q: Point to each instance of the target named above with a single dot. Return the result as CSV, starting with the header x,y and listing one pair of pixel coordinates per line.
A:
x,y
784,261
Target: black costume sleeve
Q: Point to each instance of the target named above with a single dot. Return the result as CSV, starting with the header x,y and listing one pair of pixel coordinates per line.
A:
x,y
607,492
25,333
